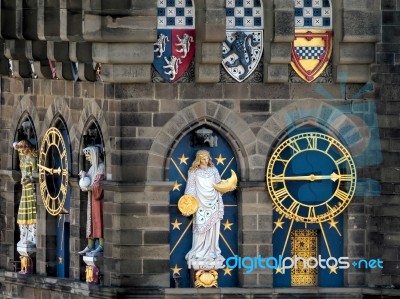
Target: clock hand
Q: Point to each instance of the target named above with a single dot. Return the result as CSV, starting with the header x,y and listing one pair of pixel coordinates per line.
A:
x,y
50,170
312,177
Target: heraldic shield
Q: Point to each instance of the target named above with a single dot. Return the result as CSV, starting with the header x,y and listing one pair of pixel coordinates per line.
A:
x,y
175,46
312,46
243,46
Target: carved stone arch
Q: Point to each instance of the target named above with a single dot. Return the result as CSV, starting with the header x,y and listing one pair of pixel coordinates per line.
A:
x,y
309,111
235,130
59,107
91,113
25,109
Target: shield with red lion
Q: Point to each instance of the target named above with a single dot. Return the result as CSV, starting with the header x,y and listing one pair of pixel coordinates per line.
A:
x,y
312,46
175,45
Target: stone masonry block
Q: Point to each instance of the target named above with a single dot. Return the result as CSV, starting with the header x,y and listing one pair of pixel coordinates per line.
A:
x,y
361,25
126,73
214,25
207,73
256,237
355,73
281,53
276,73
120,29
284,4
123,53
215,4
361,4
284,25
211,52
357,53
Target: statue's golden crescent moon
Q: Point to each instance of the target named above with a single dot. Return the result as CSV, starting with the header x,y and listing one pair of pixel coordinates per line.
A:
x,y
228,184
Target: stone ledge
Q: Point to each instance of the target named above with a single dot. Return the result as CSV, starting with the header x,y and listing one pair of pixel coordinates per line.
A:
x,y
124,186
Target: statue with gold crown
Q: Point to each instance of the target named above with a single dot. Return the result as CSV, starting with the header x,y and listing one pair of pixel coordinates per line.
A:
x,y
203,199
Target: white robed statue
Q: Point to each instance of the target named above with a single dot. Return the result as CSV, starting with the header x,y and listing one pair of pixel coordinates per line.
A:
x,y
205,252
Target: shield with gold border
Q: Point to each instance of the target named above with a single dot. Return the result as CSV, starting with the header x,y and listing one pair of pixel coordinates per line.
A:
x,y
312,45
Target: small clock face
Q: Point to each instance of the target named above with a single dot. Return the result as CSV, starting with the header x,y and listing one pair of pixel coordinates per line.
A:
x,y
311,177
53,171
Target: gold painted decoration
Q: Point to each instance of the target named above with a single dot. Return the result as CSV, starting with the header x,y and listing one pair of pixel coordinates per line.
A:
x,y
227,185
206,279
285,178
188,205
304,245
53,171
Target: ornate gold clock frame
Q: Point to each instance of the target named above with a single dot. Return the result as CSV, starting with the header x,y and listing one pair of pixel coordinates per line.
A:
x,y
53,171
286,185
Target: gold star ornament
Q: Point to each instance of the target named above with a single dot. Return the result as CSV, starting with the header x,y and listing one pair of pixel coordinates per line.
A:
x,y
227,225
220,159
176,270
177,186
183,159
227,271
176,225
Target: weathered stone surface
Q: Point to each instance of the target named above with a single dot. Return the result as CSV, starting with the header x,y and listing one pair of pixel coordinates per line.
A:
x,y
133,73
211,53
284,25
123,53
357,53
140,29
276,73
207,73
361,25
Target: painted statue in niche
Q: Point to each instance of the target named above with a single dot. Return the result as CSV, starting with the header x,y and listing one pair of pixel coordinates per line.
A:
x,y
90,182
205,187
26,217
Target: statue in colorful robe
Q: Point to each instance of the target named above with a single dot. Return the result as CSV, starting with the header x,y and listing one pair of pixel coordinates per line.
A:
x,y
90,182
26,217
205,252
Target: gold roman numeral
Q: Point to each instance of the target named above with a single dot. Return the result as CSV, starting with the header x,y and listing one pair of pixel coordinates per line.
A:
x,y
311,213
343,196
63,154
281,194
346,177
295,146
63,190
312,142
43,185
294,207
341,160
277,178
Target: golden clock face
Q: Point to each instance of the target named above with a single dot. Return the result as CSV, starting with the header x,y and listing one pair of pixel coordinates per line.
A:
x,y
53,171
311,177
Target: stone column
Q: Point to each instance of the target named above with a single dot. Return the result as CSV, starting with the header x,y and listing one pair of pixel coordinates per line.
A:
x,y
210,33
123,36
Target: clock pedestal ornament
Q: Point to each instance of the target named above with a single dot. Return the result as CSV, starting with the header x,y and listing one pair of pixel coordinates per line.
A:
x,y
93,265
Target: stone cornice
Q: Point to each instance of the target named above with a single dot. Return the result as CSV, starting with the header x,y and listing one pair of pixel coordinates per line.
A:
x,y
125,186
